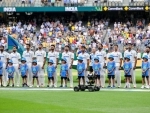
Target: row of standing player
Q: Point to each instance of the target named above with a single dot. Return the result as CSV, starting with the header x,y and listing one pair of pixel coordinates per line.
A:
x,y
111,67
40,56
35,72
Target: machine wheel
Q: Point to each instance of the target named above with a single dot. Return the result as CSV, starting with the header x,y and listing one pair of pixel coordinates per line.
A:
x,y
76,89
91,89
82,88
96,88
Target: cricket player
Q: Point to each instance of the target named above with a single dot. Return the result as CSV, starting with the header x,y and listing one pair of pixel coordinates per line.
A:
x,y
118,61
4,58
40,55
70,57
16,57
54,55
133,58
102,60
92,56
86,60
28,55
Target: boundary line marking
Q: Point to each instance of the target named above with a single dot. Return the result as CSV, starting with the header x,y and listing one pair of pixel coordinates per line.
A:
x,y
69,89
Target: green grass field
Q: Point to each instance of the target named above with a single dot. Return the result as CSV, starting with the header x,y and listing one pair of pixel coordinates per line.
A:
x,y
71,102
22,100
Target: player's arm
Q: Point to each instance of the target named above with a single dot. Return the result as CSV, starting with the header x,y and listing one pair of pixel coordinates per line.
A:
x,y
67,71
72,58
57,59
120,60
135,62
7,59
124,56
105,62
99,66
44,60
19,59
88,62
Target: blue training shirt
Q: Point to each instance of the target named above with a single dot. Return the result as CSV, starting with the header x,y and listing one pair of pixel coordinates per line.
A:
x,y
50,70
127,66
145,67
35,69
1,67
80,69
10,70
96,68
111,67
63,70
23,69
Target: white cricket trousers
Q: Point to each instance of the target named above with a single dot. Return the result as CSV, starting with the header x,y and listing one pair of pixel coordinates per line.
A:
x,y
118,76
41,77
29,76
16,75
5,75
102,75
70,77
133,76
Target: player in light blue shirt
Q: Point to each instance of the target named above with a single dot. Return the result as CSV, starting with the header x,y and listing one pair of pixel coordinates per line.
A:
x,y
81,69
145,71
10,71
96,68
24,72
50,72
127,66
111,71
35,71
1,72
64,71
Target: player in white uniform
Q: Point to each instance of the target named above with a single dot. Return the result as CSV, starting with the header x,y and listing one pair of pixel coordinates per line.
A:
x,y
70,57
40,56
53,55
102,59
118,60
28,55
4,58
86,60
15,57
133,59
92,56
147,52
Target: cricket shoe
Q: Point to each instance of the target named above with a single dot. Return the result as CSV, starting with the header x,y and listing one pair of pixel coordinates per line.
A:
x,y
147,87
142,87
